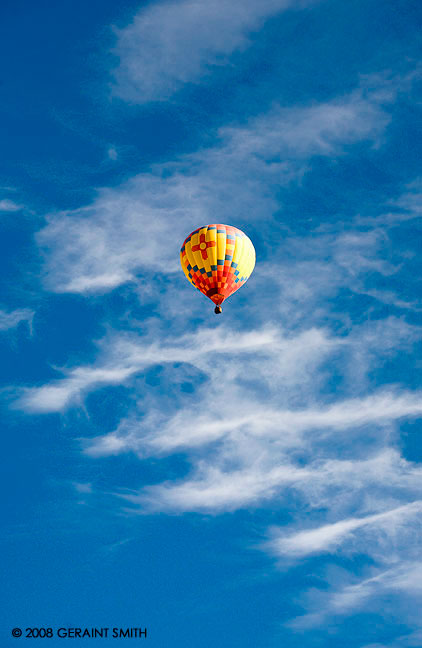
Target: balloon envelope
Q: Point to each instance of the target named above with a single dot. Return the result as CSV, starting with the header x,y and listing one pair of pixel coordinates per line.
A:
x,y
218,260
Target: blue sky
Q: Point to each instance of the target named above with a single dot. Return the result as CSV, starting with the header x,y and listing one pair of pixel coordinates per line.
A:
x,y
248,480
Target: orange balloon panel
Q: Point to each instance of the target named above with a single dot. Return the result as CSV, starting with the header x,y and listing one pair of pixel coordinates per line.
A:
x,y
217,259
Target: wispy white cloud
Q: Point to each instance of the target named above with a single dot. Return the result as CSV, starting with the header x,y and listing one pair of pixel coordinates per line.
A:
x,y
55,397
247,451
410,640
126,230
330,537
129,357
320,129
11,319
213,490
112,153
253,474
409,204
404,579
83,487
279,359
261,422
249,470
169,44
406,207
331,262
8,205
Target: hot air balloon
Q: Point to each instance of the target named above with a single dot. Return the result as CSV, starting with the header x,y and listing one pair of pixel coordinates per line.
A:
x,y
217,259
